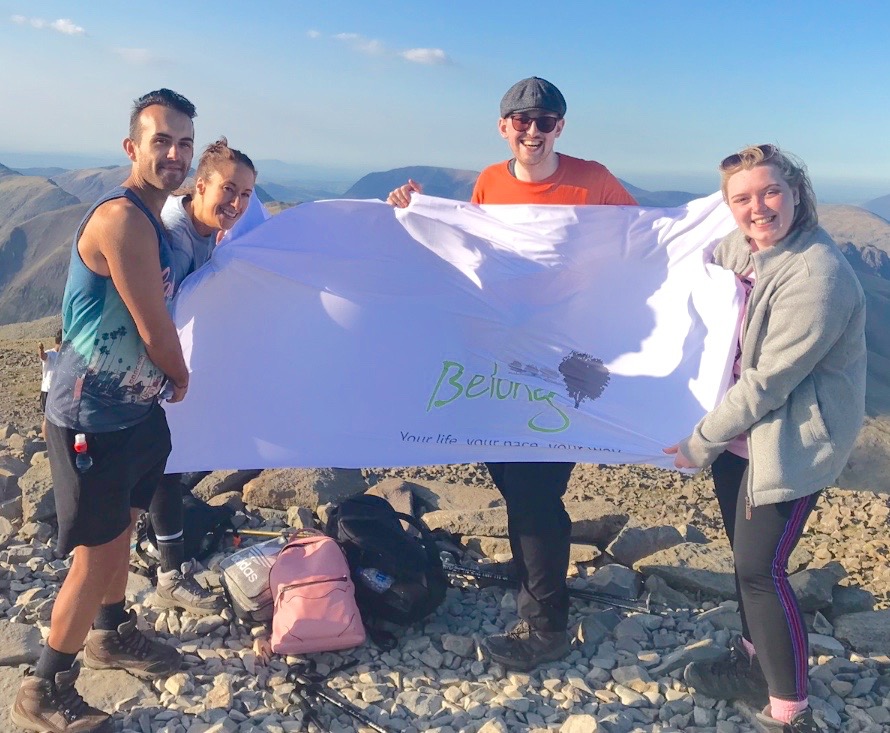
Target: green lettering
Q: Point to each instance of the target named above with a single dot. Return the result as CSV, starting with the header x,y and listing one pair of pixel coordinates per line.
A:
x,y
447,366
475,382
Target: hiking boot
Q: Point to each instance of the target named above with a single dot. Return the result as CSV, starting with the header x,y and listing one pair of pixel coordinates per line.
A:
x,y
54,706
803,722
129,649
524,648
733,677
179,589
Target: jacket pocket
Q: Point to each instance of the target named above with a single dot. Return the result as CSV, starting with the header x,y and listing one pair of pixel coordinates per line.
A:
x,y
806,413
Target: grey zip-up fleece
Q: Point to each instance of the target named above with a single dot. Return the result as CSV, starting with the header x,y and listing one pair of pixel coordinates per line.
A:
x,y
801,393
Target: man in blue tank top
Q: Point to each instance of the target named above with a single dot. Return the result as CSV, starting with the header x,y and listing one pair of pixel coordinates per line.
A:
x,y
107,436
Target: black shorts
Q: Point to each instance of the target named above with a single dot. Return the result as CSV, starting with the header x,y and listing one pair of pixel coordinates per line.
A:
x,y
93,507
43,401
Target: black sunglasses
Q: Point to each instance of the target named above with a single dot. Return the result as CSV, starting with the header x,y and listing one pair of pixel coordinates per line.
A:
x,y
731,161
544,124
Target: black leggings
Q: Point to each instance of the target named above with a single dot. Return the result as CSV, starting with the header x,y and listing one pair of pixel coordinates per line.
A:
x,y
761,546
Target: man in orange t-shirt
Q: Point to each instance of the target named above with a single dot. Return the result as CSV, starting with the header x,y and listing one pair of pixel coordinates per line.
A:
x,y
532,117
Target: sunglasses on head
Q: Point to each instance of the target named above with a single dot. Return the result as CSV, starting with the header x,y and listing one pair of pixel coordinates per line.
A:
x,y
731,161
544,124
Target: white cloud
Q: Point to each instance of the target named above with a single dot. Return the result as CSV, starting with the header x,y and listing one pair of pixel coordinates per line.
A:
x,y
313,34
431,56
68,27
62,25
373,47
369,46
138,56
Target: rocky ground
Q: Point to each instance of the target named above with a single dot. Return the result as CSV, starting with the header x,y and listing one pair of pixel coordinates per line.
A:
x,y
637,531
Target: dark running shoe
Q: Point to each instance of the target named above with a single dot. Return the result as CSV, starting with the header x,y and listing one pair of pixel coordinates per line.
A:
x,y
803,722
524,648
129,649
733,677
54,706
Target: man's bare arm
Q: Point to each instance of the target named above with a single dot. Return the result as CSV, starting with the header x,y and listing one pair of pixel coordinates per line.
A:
x,y
119,241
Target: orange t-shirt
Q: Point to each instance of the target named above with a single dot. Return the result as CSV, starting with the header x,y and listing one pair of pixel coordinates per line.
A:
x,y
576,182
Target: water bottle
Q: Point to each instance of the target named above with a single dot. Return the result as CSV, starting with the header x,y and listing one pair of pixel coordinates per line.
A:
x,y
377,581
82,460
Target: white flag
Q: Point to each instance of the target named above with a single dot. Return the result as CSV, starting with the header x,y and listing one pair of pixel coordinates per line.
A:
x,y
348,333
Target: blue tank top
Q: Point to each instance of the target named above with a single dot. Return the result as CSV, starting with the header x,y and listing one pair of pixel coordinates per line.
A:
x,y
104,380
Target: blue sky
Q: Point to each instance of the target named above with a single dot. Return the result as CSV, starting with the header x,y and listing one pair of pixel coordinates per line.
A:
x,y
657,91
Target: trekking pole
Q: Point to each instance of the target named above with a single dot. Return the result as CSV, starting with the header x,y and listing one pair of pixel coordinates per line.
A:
x,y
628,604
309,684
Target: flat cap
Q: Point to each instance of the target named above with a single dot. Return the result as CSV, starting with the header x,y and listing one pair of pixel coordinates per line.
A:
x,y
533,93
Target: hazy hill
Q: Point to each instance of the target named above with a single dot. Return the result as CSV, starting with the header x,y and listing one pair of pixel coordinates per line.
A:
x,y
4,171
660,199
449,183
879,206
295,192
23,197
34,262
48,172
88,184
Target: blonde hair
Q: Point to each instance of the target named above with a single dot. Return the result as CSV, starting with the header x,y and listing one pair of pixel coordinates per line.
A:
x,y
790,167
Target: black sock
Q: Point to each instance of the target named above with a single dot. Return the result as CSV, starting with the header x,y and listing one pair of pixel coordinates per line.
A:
x,y
110,617
52,662
172,554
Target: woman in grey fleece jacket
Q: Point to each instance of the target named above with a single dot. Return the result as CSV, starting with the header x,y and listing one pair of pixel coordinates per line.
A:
x,y
785,429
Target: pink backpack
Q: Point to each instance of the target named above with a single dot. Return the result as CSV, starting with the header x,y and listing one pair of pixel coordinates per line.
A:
x,y
314,598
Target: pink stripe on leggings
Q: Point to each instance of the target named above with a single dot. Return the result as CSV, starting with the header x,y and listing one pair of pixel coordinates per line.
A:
x,y
797,631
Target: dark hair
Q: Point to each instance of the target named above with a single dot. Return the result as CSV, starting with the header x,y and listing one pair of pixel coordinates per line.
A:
x,y
164,97
219,152
790,167
59,336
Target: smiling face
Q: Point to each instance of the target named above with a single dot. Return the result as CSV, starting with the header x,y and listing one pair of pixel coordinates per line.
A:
x,y
762,204
162,151
532,149
222,197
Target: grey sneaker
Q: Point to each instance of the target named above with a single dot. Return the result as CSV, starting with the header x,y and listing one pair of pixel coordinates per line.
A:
x,y
733,677
129,649
179,589
56,707
803,722
524,648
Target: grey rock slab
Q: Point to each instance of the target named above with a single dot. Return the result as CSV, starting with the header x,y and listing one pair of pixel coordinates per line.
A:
x,y
849,599
9,484
19,644
7,532
633,543
38,503
825,645
660,592
866,632
616,580
694,567
106,688
11,509
280,488
814,586
699,651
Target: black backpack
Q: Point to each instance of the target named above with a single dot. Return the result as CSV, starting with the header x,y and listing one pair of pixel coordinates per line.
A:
x,y
203,529
371,534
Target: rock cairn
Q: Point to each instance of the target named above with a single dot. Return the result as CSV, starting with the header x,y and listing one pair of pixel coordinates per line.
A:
x,y
637,532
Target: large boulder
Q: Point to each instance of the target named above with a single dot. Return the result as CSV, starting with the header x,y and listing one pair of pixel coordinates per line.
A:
x,y
222,482
693,567
633,542
483,522
38,503
448,495
595,520
280,488
867,632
